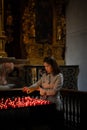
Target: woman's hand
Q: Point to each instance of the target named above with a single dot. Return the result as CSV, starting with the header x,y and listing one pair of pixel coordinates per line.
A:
x,y
42,91
25,89
29,90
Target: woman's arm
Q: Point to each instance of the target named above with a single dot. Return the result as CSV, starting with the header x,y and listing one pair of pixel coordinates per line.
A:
x,y
57,86
33,87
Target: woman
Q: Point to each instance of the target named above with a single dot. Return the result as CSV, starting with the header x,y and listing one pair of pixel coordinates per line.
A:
x,y
50,83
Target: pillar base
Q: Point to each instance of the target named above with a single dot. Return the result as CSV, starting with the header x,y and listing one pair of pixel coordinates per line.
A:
x,y
3,54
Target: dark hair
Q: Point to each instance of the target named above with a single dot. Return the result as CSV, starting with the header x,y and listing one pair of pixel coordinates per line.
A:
x,y
53,63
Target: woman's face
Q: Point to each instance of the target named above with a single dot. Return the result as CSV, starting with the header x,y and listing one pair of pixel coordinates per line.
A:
x,y
48,67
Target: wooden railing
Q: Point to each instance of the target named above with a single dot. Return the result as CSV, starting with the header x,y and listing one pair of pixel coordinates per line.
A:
x,y
75,108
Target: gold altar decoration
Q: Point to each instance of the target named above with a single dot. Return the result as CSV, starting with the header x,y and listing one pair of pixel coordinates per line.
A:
x,y
37,51
2,46
28,24
2,33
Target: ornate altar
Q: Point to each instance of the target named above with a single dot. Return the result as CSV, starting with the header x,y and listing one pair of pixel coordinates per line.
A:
x,y
39,35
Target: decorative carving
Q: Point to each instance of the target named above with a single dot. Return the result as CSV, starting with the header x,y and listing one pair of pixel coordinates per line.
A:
x,y
28,22
70,76
60,19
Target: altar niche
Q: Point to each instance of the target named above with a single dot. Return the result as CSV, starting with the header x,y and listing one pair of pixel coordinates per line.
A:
x,y
12,28
44,21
